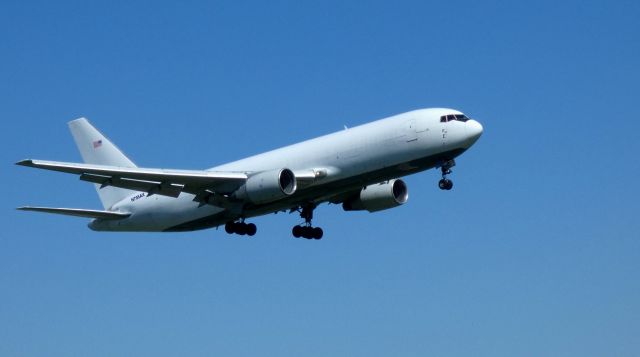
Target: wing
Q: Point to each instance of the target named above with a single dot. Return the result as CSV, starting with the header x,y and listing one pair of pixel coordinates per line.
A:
x,y
77,212
153,181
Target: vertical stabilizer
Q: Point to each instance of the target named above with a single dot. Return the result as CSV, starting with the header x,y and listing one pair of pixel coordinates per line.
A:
x,y
96,149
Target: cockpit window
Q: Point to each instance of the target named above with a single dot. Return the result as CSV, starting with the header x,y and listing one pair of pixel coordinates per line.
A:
x,y
451,117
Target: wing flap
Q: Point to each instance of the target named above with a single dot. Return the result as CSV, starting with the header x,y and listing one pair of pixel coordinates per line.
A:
x,y
78,212
153,181
151,187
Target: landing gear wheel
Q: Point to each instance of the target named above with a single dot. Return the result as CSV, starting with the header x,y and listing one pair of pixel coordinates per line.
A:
x,y
297,231
305,232
445,184
251,229
240,228
229,227
317,233
309,235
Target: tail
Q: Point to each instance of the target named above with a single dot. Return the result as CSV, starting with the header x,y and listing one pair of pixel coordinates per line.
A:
x,y
96,149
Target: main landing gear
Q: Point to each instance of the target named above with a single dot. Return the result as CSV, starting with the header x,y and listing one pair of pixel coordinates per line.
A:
x,y
445,183
240,228
306,230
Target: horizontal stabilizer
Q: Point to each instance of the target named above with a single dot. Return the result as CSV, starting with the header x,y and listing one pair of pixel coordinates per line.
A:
x,y
87,213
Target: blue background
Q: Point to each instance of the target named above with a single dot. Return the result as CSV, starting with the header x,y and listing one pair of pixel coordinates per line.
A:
x,y
535,251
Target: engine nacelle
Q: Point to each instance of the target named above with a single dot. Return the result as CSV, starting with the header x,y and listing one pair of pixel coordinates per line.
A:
x,y
268,186
379,197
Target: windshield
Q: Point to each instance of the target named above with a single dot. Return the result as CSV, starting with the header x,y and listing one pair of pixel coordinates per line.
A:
x,y
452,117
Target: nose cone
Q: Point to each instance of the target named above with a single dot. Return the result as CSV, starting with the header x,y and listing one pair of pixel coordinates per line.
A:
x,y
474,130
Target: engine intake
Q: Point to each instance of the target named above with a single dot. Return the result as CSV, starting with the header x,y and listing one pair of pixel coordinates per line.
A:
x,y
269,186
379,197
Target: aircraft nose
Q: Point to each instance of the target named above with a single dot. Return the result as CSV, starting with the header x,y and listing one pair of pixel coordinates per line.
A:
x,y
474,130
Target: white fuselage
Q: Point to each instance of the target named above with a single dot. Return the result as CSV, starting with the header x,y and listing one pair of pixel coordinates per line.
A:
x,y
381,150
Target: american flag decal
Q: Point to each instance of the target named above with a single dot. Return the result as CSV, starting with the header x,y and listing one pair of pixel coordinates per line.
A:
x,y
97,144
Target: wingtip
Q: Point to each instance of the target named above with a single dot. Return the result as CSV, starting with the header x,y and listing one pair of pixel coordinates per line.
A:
x,y
26,162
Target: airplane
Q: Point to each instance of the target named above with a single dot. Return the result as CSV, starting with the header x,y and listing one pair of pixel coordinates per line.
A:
x,y
359,167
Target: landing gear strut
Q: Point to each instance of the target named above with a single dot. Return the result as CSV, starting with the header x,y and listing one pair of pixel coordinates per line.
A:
x,y
241,228
445,183
307,230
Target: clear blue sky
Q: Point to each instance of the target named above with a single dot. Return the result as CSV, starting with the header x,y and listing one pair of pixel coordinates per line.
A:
x,y
535,252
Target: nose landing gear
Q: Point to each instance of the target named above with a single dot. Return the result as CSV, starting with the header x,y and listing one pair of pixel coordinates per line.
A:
x,y
445,183
307,230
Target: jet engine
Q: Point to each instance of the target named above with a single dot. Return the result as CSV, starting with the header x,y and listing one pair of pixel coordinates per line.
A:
x,y
378,197
268,186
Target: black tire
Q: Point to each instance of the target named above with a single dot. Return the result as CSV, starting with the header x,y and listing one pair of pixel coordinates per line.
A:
x,y
251,229
317,233
297,231
241,229
307,232
442,184
449,185
229,227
